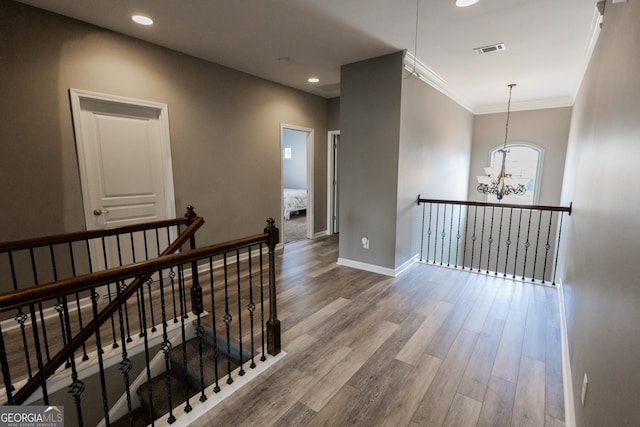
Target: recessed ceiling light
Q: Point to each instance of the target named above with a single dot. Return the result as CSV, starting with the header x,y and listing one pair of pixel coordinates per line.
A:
x,y
465,3
284,60
313,80
142,20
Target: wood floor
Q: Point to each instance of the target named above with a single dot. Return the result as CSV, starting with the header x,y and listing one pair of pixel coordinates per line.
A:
x,y
432,347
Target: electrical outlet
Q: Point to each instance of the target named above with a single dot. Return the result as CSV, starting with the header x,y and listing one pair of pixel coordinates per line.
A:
x,y
585,384
365,243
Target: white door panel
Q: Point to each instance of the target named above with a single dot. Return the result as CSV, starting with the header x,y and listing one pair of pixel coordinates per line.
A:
x,y
125,166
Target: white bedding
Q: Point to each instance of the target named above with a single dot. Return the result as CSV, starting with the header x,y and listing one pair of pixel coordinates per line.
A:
x,y
294,200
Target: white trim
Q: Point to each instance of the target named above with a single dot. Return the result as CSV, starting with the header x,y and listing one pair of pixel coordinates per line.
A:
x,y
322,233
376,268
534,104
330,174
567,382
430,77
310,186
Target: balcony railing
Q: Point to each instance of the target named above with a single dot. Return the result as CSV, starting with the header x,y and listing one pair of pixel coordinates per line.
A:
x,y
516,241
215,299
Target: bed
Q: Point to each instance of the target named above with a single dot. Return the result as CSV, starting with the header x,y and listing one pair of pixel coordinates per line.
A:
x,y
294,200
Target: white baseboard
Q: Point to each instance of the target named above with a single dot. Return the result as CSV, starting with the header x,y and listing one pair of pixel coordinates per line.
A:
x,y
567,382
376,268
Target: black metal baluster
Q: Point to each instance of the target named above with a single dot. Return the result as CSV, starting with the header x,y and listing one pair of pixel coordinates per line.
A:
x,y
172,275
443,234
435,241
166,350
58,306
85,356
555,265
118,290
499,241
125,364
161,284
251,308
506,259
527,244
40,310
20,317
484,220
429,231
422,233
450,236
547,246
216,388
143,320
149,283
36,340
262,323
241,372
106,266
181,286
139,289
227,317
458,235
6,375
473,238
94,304
515,261
77,386
490,240
535,259
466,234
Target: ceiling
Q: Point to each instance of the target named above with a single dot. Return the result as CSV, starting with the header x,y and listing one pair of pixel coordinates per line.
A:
x,y
548,42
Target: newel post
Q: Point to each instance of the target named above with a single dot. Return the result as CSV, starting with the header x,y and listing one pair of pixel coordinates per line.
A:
x,y
196,290
273,324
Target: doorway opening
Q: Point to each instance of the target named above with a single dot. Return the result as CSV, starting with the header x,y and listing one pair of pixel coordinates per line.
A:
x,y
297,183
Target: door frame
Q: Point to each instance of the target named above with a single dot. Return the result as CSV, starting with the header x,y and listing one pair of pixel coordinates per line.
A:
x,y
310,186
332,168
76,96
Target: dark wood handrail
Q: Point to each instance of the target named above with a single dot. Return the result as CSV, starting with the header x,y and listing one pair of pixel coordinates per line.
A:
x,y
86,235
47,291
498,205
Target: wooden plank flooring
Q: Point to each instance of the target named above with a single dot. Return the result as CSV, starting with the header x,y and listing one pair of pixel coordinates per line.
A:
x,y
433,347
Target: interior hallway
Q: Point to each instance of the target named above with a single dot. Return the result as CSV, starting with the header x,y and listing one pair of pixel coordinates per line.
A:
x,y
431,347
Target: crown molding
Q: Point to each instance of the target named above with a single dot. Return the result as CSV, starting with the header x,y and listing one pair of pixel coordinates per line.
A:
x,y
417,68
535,104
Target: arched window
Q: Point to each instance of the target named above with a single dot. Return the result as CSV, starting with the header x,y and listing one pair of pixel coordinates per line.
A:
x,y
524,160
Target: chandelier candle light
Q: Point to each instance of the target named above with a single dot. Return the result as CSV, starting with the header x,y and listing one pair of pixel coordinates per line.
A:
x,y
497,181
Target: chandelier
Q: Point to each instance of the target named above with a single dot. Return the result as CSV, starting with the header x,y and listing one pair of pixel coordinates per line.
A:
x,y
499,182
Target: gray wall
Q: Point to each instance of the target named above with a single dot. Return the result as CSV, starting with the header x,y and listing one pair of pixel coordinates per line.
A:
x,y
225,126
435,142
547,128
368,163
599,267
399,138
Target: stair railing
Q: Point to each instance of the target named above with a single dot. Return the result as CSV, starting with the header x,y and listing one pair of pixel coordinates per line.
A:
x,y
517,241
170,270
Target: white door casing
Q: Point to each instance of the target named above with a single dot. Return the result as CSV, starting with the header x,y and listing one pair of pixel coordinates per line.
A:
x,y
124,157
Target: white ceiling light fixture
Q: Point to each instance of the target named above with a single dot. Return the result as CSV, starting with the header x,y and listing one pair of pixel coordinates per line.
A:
x,y
465,3
142,20
313,80
500,182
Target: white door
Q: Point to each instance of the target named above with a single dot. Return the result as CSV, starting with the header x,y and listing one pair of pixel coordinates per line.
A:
x,y
125,162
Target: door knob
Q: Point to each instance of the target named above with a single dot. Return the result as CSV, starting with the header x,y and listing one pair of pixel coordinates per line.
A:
x,y
98,212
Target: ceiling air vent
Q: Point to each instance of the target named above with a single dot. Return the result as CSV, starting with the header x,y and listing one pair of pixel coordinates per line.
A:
x,y
491,48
